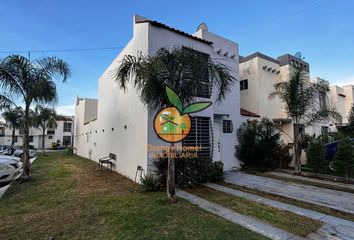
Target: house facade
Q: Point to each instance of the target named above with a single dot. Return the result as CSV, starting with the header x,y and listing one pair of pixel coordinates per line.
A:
x,y
118,122
62,134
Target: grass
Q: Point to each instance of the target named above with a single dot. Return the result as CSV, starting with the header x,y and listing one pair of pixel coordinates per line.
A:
x,y
299,225
291,201
69,199
305,182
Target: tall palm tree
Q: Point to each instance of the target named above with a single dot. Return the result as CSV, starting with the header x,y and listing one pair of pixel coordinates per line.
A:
x,y
304,105
13,118
27,82
184,70
44,118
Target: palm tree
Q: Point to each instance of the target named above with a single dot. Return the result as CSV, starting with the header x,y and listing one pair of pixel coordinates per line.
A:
x,y
304,105
184,70
44,118
28,82
13,118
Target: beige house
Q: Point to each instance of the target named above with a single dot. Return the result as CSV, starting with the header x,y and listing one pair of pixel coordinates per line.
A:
x,y
343,99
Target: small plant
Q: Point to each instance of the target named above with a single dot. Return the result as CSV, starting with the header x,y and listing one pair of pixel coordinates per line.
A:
x,y
150,182
343,160
316,155
216,172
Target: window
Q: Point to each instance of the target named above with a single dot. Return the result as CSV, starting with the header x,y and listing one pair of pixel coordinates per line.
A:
x,y
227,126
15,139
52,132
30,138
67,126
66,141
244,84
200,135
50,137
204,87
324,130
2,132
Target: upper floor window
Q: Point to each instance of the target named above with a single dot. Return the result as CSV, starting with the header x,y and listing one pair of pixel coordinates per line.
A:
x,y
244,84
204,87
67,126
30,139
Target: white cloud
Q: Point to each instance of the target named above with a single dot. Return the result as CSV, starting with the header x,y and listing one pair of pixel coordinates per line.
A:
x,y
345,81
66,110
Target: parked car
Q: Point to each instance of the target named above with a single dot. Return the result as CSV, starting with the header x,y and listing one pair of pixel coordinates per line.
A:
x,y
331,149
7,150
10,169
19,153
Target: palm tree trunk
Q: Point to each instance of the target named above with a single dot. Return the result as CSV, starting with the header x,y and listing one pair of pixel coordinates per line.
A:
x,y
43,141
13,136
297,150
26,158
171,191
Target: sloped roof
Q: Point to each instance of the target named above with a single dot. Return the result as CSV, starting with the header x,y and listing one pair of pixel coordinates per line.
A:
x,y
161,25
246,113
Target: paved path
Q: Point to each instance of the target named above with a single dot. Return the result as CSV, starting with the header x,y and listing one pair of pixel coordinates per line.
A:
x,y
334,227
324,197
309,179
242,220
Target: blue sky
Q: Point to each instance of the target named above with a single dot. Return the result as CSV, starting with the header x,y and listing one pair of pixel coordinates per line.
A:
x,y
322,30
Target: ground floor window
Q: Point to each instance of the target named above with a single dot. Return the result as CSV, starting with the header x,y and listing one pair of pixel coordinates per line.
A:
x,y
200,134
30,138
66,141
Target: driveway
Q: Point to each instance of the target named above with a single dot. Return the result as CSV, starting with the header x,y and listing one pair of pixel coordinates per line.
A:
x,y
325,197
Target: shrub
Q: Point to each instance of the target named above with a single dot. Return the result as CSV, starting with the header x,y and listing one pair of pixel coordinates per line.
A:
x,y
258,144
150,182
344,158
316,154
190,172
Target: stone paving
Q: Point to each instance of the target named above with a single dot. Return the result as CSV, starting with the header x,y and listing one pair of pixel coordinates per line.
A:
x,y
309,179
334,199
334,228
242,220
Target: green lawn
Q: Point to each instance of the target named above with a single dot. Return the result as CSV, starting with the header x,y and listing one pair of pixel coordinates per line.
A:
x,y
68,199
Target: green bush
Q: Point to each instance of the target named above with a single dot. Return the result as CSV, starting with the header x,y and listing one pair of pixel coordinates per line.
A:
x,y
344,158
258,144
190,172
316,155
150,182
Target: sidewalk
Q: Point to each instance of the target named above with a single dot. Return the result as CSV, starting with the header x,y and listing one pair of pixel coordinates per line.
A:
x,y
309,179
338,200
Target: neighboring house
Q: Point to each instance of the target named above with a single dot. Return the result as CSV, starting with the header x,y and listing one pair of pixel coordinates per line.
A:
x,y
119,123
258,75
343,99
63,134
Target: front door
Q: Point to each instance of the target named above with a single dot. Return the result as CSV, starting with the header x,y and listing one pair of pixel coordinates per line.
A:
x,y
217,139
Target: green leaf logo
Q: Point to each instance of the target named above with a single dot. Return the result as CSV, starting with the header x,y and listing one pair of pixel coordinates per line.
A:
x,y
174,99
196,107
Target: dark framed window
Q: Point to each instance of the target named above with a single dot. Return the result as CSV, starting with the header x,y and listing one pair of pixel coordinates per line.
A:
x,y
227,126
244,84
50,137
204,87
15,139
30,139
67,126
200,135
2,132
66,141
52,132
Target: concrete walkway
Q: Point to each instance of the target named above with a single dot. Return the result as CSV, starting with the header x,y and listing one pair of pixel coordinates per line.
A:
x,y
338,200
309,179
242,220
334,227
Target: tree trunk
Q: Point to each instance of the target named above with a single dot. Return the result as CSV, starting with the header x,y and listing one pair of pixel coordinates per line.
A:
x,y
297,150
26,158
43,141
13,136
171,177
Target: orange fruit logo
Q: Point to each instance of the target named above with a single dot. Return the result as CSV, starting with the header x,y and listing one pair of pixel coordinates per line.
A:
x,y
173,124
